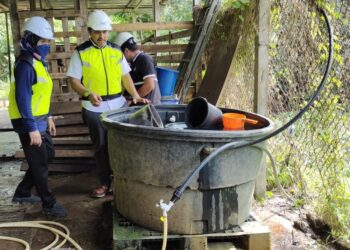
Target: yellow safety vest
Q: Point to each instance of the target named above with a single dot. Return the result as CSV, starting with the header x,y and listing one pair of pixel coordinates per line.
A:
x,y
102,69
41,93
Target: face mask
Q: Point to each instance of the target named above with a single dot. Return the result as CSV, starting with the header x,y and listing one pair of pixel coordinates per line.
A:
x,y
43,50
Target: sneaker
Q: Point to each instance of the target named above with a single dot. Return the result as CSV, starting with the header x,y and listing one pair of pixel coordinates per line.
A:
x,y
56,211
29,199
99,192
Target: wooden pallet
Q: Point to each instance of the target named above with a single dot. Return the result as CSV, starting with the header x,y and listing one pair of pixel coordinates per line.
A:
x,y
251,235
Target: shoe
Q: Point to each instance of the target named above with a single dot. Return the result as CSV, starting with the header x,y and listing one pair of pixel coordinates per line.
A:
x,y
99,192
56,211
30,199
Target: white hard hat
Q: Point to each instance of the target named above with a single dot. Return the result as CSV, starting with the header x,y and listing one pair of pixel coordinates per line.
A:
x,y
39,26
98,20
122,38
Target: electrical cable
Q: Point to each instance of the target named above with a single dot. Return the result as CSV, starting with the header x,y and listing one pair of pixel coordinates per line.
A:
x,y
235,145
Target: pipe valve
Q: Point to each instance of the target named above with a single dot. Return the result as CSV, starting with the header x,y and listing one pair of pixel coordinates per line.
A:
x,y
165,207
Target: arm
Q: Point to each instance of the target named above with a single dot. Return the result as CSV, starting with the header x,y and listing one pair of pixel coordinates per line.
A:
x,y
78,87
147,86
24,79
129,86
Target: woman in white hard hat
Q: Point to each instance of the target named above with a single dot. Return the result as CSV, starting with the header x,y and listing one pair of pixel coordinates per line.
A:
x,y
97,71
143,72
29,110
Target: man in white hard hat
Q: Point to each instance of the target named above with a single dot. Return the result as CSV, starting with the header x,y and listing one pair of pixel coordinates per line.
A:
x,y
97,71
29,110
143,72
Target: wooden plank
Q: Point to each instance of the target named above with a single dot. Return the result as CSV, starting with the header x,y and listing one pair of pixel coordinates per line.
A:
x,y
261,79
68,119
58,76
59,55
58,108
72,141
15,26
169,58
164,48
251,234
71,130
67,34
171,36
216,77
49,13
64,167
86,153
152,26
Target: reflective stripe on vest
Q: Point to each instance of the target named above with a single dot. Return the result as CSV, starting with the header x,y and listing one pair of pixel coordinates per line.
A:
x,y
102,70
41,93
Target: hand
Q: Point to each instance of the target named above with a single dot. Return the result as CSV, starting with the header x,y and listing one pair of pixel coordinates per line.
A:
x,y
35,138
140,100
52,126
95,99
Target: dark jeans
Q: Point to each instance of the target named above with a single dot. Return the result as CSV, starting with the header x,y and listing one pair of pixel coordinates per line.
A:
x,y
37,173
98,135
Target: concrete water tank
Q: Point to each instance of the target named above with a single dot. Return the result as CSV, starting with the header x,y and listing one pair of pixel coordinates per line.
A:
x,y
148,163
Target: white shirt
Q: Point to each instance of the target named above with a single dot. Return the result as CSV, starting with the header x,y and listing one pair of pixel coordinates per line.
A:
x,y
75,70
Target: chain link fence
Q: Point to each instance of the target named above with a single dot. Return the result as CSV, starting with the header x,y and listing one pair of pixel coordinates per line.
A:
x,y
313,155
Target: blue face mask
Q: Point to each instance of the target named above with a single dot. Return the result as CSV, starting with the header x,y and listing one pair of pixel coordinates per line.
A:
x,y
43,50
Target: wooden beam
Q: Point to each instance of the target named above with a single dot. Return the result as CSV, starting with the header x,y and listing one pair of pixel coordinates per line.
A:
x,y
152,26
220,64
49,13
167,37
164,48
62,153
15,25
58,108
67,34
261,78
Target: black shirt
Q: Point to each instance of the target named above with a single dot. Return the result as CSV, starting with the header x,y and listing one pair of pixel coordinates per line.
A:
x,y
142,67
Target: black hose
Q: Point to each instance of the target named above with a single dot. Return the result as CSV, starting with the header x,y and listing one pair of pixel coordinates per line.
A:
x,y
234,145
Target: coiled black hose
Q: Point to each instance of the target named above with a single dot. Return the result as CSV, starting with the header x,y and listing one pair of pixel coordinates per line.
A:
x,y
234,145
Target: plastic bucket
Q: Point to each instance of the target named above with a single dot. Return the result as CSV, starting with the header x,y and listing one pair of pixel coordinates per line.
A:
x,y
236,121
200,114
166,80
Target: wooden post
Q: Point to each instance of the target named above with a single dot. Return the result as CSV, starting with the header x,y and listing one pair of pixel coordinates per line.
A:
x,y
156,8
84,15
261,77
16,30
8,44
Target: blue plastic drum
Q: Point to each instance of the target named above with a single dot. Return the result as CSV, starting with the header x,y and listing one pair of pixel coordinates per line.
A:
x,y
166,79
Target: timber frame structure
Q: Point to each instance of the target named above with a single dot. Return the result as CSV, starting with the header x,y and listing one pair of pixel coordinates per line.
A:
x,y
70,16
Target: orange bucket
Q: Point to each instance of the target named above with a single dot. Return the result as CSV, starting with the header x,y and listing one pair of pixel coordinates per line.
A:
x,y
235,121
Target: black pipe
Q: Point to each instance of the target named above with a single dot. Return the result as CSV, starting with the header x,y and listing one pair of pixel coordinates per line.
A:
x,y
234,145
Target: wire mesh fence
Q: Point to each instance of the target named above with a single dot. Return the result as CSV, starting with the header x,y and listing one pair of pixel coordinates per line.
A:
x,y
313,155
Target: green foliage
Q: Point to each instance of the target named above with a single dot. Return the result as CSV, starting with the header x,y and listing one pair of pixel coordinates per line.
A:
x,y
314,162
4,59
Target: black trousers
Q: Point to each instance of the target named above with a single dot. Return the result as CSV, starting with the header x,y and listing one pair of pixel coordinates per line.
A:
x,y
37,173
98,135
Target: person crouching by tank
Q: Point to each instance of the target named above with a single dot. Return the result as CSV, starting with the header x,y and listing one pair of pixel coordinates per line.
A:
x,y
29,110
97,70
143,72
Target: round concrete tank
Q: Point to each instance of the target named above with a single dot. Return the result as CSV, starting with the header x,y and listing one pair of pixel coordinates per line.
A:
x,y
148,163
